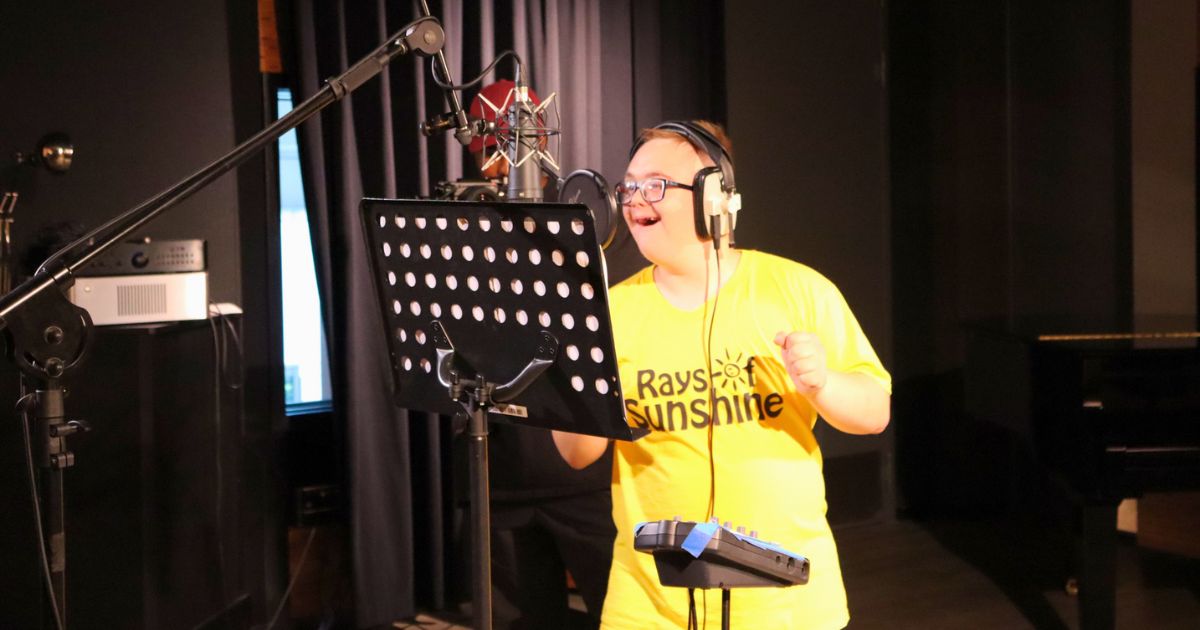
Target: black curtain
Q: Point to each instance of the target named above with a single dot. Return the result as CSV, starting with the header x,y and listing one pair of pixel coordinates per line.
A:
x,y
399,496
388,449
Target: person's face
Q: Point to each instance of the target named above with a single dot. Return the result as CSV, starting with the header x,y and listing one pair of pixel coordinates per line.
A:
x,y
664,230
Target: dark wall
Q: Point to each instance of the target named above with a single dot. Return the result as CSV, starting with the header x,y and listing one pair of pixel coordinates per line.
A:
x,y
1011,200
1163,55
1069,170
806,104
143,89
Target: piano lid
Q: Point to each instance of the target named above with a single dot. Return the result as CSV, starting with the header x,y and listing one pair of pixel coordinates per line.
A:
x,y
1131,341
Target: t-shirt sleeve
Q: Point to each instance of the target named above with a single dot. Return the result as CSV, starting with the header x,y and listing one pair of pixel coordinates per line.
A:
x,y
847,348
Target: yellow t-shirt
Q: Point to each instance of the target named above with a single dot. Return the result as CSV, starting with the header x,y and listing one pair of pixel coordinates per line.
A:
x,y
768,464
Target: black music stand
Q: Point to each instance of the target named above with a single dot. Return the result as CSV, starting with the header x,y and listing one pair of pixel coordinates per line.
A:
x,y
501,309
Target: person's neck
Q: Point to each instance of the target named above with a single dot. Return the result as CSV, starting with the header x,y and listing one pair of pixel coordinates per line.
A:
x,y
689,282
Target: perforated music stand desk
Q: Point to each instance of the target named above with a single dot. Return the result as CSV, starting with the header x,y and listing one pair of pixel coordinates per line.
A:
x,y
501,309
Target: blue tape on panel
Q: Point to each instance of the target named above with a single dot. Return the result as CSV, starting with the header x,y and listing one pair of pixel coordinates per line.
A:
x,y
698,538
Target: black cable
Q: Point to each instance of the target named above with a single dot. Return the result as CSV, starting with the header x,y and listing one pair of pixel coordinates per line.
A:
x,y
218,361
220,380
23,404
691,622
446,86
712,386
237,344
712,406
291,583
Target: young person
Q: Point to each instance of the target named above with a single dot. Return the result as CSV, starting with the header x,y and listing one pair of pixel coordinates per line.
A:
x,y
738,349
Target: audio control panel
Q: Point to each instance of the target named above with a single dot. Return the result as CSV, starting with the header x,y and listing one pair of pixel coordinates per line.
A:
x,y
148,256
709,555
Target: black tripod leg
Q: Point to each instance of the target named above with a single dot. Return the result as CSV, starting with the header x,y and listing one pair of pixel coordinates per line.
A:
x,y
724,609
481,519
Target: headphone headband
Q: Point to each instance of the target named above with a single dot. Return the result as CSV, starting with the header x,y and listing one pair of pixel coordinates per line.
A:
x,y
715,200
700,137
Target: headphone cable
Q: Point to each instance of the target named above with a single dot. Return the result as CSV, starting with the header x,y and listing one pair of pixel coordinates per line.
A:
x,y
712,389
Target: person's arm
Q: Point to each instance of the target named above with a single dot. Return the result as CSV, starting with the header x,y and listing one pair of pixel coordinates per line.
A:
x,y
579,450
850,402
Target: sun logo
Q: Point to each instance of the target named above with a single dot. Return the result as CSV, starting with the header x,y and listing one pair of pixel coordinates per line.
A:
x,y
730,371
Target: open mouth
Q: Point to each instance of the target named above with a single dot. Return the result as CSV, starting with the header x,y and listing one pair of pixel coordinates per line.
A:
x,y
645,221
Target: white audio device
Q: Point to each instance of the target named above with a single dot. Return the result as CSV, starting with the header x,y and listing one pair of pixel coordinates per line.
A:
x,y
143,298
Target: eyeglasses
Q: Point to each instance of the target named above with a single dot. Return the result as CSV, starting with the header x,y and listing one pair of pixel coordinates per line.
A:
x,y
653,189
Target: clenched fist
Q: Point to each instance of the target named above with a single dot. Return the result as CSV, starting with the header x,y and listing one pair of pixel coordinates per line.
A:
x,y
803,357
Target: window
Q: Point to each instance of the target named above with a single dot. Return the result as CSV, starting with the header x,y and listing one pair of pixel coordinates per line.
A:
x,y
305,357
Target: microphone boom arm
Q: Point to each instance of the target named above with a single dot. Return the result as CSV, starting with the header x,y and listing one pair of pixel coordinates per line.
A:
x,y
48,340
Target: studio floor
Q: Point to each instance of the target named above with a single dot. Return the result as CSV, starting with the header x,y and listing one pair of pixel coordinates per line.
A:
x,y
980,576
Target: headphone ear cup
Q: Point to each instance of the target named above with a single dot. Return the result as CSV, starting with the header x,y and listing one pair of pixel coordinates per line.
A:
x,y
708,198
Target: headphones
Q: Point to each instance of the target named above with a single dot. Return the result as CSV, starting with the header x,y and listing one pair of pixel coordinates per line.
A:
x,y
715,200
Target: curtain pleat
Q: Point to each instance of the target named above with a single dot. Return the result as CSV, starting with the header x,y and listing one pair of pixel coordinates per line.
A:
x,y
376,432
487,38
594,99
312,165
452,21
520,31
386,134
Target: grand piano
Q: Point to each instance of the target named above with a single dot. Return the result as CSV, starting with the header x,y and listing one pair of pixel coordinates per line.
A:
x,y
1111,416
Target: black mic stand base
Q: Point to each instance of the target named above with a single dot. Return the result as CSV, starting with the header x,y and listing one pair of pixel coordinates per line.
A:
x,y
43,409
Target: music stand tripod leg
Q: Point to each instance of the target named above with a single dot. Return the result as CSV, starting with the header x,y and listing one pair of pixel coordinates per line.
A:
x,y
477,396
481,518
725,595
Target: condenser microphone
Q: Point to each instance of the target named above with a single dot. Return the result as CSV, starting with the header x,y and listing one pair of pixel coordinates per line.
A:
x,y
524,156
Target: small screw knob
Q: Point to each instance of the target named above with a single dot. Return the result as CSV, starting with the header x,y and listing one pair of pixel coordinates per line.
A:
x,y
54,367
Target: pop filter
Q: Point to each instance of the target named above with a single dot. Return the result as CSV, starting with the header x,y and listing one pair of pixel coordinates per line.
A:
x,y
589,188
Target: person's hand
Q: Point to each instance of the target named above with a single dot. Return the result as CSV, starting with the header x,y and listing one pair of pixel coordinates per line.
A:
x,y
803,357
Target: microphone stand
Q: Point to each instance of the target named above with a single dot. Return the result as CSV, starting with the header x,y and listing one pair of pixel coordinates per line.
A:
x,y
48,336
457,117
